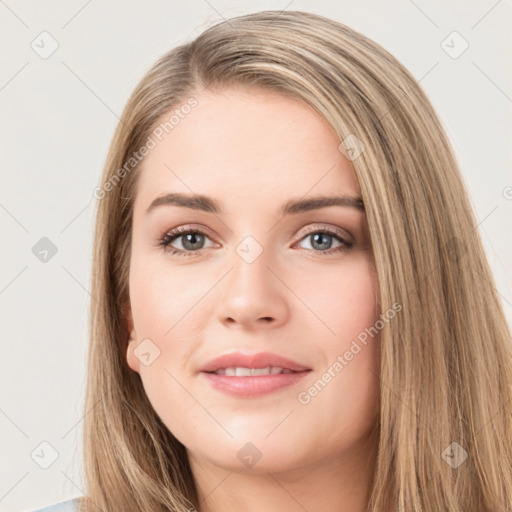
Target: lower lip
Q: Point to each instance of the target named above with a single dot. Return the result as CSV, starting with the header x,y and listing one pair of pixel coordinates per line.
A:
x,y
253,386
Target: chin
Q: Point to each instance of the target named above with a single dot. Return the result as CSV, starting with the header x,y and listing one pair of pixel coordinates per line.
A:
x,y
251,454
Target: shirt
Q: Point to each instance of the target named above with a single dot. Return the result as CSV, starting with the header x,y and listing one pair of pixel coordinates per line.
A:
x,y
62,506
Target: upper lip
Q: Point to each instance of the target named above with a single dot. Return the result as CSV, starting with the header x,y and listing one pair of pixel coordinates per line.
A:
x,y
260,360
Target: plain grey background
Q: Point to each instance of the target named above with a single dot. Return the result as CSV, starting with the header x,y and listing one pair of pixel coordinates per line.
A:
x,y
59,112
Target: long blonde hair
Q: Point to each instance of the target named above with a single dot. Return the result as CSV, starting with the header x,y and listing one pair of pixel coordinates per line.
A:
x,y
446,370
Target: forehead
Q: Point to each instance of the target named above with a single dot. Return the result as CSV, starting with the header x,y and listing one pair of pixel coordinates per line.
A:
x,y
241,144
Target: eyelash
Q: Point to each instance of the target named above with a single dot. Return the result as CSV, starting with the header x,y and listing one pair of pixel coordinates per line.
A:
x,y
176,233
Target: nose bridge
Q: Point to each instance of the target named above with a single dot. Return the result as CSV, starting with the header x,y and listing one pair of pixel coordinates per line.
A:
x,y
250,262
252,291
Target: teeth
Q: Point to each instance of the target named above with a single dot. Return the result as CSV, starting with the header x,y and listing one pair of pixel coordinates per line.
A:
x,y
251,372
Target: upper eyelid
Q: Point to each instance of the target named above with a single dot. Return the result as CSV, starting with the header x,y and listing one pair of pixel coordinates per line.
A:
x,y
307,230
184,229
318,226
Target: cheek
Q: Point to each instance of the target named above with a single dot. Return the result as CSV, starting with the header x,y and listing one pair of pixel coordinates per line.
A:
x,y
162,301
342,299
342,398
163,296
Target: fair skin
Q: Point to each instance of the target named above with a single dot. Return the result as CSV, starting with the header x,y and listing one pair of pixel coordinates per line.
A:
x,y
252,151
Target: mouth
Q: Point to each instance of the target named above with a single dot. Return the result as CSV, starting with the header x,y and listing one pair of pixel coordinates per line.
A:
x,y
251,372
245,365
245,375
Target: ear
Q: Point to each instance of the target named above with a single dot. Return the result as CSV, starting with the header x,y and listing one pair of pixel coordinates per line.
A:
x,y
133,362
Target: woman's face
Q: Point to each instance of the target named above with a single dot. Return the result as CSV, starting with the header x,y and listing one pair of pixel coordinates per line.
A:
x,y
252,280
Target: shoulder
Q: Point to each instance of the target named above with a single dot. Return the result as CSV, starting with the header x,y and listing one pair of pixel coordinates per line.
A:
x,y
63,506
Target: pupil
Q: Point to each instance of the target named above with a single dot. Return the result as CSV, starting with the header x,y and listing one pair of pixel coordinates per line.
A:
x,y
190,240
318,238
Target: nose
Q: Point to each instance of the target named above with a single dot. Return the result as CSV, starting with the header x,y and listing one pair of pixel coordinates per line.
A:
x,y
253,295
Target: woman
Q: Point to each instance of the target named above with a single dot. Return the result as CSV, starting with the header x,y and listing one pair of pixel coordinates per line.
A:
x,y
238,364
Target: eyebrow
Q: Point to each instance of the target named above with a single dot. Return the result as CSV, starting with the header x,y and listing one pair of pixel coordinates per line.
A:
x,y
291,207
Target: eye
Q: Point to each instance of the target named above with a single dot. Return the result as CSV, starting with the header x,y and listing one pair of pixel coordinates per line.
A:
x,y
192,241
321,241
